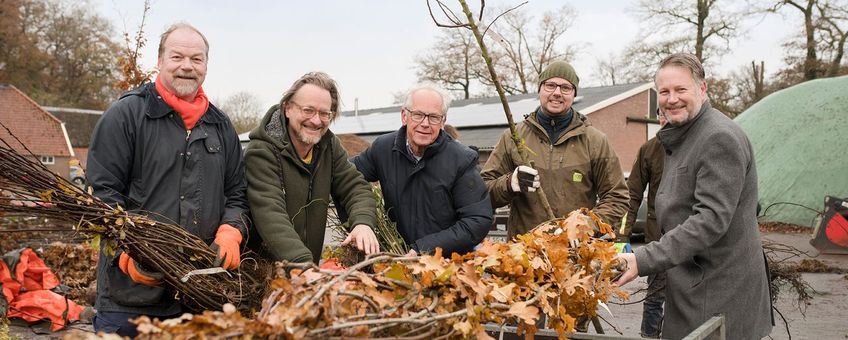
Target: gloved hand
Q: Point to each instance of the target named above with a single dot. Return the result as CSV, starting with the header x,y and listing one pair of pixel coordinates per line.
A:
x,y
227,244
137,273
524,179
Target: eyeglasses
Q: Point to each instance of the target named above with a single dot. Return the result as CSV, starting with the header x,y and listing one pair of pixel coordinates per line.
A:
x,y
551,87
418,116
308,112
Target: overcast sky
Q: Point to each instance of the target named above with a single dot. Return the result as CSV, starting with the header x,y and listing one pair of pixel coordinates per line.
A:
x,y
369,46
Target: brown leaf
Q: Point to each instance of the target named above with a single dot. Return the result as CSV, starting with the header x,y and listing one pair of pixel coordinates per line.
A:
x,y
528,314
463,327
503,293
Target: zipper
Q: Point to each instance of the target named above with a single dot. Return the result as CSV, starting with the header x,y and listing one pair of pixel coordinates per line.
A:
x,y
309,196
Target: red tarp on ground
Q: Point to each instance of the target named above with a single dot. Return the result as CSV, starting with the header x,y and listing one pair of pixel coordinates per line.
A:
x,y
29,293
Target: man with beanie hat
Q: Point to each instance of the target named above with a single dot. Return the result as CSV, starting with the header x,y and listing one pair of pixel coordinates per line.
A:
x,y
573,161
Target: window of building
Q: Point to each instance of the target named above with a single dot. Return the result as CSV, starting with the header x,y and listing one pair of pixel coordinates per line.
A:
x,y
48,160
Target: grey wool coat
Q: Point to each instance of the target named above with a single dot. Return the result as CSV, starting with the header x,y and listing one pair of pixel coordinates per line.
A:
x,y
711,247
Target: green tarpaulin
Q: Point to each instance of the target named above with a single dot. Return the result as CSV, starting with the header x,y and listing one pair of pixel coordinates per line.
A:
x,y
800,138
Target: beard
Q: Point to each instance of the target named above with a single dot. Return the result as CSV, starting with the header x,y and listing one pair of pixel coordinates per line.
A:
x,y
185,84
310,139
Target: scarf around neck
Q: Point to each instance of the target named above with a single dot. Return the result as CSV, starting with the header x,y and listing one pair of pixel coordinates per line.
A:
x,y
190,111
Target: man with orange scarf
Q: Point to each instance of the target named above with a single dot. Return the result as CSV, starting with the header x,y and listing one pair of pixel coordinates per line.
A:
x,y
164,150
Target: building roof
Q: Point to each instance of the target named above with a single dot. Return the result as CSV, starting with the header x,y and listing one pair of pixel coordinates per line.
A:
x,y
481,121
482,112
798,136
41,132
79,123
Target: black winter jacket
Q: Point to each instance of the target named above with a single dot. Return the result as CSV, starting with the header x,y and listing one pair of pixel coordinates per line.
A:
x,y
142,159
439,201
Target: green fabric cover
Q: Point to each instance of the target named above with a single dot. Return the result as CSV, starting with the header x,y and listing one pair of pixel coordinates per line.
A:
x,y
800,139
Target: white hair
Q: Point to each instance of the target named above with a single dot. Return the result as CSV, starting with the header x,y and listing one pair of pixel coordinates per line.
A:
x,y
446,99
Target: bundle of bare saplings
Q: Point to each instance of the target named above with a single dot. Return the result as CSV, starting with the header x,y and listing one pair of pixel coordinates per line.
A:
x,y
560,270
27,187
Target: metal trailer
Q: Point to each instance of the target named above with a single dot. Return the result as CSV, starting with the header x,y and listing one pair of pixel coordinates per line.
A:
x,y
714,328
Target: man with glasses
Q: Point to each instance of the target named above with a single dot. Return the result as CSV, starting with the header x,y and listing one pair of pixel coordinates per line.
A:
x,y
574,162
293,165
431,183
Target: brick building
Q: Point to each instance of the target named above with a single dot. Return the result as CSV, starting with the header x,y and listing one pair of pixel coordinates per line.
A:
x,y
39,131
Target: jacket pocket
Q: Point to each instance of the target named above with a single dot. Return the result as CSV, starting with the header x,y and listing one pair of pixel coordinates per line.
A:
x,y
695,273
124,291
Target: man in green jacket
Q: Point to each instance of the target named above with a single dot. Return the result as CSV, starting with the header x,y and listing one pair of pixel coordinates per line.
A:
x,y
574,161
293,165
646,174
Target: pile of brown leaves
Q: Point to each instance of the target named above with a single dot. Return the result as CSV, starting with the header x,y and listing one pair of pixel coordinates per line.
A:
x,y
75,265
784,228
560,270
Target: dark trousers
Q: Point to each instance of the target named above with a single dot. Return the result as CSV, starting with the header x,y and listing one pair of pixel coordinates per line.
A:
x,y
119,323
652,311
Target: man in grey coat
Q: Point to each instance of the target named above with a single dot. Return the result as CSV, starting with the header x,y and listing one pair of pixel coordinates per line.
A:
x,y
706,206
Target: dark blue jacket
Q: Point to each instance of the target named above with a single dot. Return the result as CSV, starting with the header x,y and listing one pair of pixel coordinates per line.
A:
x,y
142,159
439,201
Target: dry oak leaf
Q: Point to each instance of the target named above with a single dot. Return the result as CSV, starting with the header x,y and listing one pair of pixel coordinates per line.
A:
x,y
502,294
529,314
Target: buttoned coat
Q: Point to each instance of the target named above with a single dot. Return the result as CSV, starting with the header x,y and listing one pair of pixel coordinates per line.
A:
x,y
711,248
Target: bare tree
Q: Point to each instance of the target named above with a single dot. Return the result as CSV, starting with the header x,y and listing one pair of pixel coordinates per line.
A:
x,y
833,32
807,8
608,70
692,26
453,21
740,89
822,39
450,62
621,69
518,49
522,51
244,110
722,96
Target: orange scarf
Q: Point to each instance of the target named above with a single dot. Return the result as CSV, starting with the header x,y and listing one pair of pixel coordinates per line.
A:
x,y
189,111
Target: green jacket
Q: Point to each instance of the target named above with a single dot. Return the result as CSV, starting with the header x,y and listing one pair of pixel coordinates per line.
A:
x,y
646,173
288,201
579,170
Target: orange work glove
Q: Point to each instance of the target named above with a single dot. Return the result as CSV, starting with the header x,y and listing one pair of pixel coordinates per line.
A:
x,y
227,244
137,273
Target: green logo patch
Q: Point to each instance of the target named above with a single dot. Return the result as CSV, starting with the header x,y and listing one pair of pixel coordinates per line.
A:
x,y
577,177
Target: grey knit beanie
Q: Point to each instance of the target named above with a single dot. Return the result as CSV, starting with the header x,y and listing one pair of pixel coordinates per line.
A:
x,y
559,69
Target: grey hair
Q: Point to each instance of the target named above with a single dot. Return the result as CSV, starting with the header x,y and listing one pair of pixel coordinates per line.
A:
x,y
176,26
446,99
685,60
319,79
